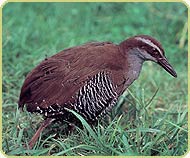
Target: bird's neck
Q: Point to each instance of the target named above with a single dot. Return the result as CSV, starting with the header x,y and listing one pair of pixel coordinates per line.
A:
x,y
134,64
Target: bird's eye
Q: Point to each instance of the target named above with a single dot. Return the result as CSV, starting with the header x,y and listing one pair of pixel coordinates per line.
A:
x,y
155,51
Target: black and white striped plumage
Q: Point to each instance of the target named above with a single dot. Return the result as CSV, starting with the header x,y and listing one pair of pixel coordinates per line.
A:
x,y
96,97
94,100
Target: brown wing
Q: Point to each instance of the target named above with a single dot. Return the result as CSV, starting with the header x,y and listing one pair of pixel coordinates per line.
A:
x,y
57,79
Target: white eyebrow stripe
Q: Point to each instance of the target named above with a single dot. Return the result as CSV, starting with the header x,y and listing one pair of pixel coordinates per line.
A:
x,y
147,41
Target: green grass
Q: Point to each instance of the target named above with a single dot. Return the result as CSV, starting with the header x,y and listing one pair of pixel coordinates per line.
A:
x,y
150,118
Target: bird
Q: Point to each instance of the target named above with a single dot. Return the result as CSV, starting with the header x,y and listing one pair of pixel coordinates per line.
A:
x,y
87,79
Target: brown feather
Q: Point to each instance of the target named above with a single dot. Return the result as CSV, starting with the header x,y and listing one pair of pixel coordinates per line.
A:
x,y
57,79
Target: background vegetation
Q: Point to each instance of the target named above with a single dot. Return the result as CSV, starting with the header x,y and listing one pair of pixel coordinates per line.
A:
x,y
149,122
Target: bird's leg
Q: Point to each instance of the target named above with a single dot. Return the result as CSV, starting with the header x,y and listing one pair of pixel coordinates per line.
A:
x,y
44,124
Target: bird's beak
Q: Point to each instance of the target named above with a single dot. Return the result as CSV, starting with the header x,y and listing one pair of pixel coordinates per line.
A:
x,y
165,64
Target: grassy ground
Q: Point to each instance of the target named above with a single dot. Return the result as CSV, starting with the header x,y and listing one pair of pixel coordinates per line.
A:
x,y
150,118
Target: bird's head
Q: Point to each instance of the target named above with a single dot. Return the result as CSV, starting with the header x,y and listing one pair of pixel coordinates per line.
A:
x,y
148,48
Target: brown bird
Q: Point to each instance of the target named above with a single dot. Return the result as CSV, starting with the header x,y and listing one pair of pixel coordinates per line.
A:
x,y
87,79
